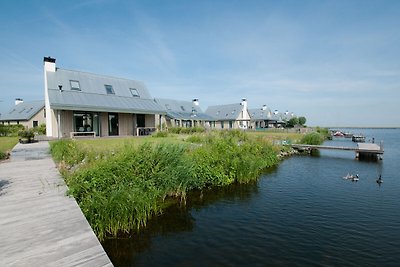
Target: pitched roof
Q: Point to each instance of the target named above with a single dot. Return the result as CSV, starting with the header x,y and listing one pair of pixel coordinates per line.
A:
x,y
225,112
287,115
88,92
260,114
23,111
182,110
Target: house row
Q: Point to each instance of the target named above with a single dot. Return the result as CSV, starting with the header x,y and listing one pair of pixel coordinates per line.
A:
x,y
80,103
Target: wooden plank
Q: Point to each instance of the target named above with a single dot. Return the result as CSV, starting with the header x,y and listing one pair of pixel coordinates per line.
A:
x,y
40,225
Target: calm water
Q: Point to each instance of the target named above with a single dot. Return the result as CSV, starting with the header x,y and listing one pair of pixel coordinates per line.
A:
x,y
301,213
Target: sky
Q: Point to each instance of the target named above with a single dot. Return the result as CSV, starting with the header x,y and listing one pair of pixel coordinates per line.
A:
x,y
337,63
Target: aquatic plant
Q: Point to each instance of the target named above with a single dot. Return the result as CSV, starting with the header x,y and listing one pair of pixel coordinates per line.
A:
x,y
120,190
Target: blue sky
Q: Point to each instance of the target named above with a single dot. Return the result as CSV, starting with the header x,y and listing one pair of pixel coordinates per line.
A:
x,y
335,62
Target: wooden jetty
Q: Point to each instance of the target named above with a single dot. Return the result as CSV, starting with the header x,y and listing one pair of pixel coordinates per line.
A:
x,y
364,150
40,225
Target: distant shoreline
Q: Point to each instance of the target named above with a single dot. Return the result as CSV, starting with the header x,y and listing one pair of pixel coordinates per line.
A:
x,y
363,127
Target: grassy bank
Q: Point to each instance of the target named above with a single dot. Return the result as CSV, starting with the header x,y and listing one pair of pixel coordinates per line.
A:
x,y
121,183
6,145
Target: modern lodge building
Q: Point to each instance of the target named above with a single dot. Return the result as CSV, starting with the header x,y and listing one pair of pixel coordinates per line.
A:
x,y
231,116
184,113
29,114
80,103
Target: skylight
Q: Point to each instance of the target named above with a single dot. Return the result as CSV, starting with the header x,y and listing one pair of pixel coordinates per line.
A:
x,y
75,85
109,89
134,92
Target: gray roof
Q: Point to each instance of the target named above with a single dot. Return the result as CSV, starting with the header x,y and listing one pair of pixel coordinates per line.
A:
x,y
260,114
23,111
92,95
182,110
225,112
287,116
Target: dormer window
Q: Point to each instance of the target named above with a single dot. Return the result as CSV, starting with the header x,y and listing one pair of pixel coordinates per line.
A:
x,y
109,89
134,92
75,85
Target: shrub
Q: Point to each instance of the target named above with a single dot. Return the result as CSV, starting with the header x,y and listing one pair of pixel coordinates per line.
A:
x,y
41,129
186,130
194,139
3,130
27,134
314,138
160,134
11,130
175,130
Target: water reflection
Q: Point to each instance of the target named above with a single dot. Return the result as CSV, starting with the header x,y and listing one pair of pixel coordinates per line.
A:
x,y
175,219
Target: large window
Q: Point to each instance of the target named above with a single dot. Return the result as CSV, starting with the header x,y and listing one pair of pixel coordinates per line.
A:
x,y
86,122
109,89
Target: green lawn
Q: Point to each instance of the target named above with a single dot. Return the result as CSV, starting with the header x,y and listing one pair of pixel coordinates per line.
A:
x,y
7,143
115,143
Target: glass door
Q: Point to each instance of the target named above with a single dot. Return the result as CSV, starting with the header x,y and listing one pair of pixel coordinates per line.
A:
x,y
113,124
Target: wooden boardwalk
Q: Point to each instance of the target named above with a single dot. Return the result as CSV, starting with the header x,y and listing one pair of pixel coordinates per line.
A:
x,y
361,148
39,224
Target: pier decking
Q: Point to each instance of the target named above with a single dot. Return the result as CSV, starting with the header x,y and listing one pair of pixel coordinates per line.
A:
x,y
39,224
361,149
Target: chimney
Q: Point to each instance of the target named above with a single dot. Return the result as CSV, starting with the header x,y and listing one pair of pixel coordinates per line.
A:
x,y
49,64
18,101
244,103
264,107
195,102
276,111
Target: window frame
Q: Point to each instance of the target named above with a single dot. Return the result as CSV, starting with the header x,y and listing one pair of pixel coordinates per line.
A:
x,y
134,90
74,88
109,89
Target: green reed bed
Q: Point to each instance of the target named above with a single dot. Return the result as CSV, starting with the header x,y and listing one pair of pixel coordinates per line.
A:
x,y
314,138
118,191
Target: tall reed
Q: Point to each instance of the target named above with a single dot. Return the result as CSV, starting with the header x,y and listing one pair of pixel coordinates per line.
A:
x,y
119,191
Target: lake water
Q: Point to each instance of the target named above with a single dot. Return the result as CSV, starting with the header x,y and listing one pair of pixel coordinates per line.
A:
x,y
301,213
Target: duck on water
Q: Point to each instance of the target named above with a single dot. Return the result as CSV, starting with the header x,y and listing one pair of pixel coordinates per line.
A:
x,y
353,178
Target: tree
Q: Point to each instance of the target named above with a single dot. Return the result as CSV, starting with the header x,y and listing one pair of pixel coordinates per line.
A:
x,y
292,122
302,120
